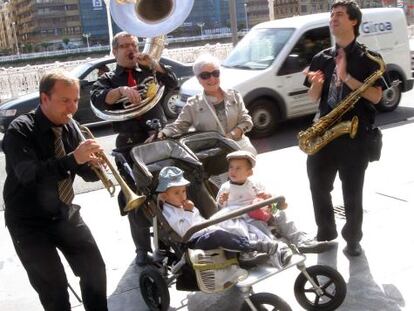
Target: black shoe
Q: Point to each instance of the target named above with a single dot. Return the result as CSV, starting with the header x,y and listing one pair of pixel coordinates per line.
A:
x,y
353,249
314,246
142,259
327,238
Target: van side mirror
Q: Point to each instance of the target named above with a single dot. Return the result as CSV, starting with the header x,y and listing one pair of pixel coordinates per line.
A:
x,y
291,65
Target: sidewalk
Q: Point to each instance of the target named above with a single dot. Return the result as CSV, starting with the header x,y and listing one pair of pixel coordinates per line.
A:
x,y
380,279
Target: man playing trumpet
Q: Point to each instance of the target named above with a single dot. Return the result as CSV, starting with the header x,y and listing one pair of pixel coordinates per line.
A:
x,y
43,154
132,68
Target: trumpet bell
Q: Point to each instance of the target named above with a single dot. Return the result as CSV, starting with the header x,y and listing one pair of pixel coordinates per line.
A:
x,y
150,18
134,202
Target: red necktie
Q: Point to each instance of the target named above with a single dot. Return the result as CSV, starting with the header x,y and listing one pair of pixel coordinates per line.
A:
x,y
131,80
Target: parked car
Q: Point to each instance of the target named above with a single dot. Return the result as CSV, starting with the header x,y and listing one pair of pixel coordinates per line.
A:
x,y
88,73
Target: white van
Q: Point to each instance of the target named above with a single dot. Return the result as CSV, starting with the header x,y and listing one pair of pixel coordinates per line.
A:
x,y
266,65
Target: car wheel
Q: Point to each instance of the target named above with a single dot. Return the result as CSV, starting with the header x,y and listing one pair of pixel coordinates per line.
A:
x,y
265,116
391,97
168,104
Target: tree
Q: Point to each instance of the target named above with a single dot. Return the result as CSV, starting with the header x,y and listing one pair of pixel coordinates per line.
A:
x,y
65,41
44,45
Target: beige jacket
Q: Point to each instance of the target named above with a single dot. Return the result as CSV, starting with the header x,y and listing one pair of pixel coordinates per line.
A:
x,y
195,113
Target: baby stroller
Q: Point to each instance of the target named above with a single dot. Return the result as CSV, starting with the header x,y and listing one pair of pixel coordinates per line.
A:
x,y
200,156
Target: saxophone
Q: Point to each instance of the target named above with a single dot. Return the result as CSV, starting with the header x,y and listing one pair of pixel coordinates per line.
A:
x,y
328,127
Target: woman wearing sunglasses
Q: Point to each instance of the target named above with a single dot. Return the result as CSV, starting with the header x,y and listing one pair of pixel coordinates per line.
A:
x,y
215,109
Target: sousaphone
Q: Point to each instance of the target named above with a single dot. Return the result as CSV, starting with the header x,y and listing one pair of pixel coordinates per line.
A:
x,y
151,19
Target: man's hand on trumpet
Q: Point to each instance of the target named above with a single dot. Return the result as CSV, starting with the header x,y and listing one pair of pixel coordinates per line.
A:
x,y
87,152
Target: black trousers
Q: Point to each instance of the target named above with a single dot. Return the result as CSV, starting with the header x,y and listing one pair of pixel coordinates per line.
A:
x,y
348,158
138,222
37,247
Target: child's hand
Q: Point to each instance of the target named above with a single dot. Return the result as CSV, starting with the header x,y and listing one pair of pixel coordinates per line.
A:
x,y
188,205
224,197
282,206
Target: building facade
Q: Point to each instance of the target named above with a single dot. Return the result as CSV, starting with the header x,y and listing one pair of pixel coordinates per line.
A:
x,y
211,16
264,10
45,23
38,25
8,38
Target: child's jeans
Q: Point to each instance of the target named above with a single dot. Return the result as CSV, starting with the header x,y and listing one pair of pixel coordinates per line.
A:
x,y
221,239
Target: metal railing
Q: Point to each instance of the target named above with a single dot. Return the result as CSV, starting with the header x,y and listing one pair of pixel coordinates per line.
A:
x,y
18,81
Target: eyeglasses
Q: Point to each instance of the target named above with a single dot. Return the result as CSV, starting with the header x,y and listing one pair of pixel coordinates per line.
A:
x,y
205,75
127,45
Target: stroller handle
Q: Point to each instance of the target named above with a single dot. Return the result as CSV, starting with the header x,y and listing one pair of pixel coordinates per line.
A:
x,y
233,214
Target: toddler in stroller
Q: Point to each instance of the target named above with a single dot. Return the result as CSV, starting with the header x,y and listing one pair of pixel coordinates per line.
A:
x,y
193,270
242,190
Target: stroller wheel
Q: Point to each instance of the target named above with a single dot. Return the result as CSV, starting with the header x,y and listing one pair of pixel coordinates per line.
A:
x,y
154,289
331,283
263,300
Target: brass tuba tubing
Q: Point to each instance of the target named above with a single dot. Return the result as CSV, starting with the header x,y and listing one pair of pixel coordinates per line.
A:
x,y
132,200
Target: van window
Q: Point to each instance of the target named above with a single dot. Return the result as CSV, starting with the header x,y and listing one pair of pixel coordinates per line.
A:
x,y
311,42
258,49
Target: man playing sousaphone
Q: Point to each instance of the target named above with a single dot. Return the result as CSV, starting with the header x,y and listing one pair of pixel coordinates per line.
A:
x,y
126,82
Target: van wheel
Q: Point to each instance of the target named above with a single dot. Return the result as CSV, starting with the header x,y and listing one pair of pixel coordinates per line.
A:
x,y
264,115
391,97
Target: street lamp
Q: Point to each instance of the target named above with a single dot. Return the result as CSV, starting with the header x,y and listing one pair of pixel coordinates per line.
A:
x,y
15,38
201,25
246,17
109,20
87,35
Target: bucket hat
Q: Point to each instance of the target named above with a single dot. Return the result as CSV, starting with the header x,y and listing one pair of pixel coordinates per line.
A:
x,y
171,176
242,154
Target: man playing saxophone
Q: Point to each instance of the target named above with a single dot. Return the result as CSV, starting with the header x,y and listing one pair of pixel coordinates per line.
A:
x,y
333,74
43,154
132,69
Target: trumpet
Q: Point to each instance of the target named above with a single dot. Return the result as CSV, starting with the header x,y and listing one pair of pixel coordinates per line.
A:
x,y
132,200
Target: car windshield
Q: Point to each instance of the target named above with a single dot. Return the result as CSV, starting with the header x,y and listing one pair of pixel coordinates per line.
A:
x,y
258,49
80,69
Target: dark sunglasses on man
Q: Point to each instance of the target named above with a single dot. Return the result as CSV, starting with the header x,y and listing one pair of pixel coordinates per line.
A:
x,y
205,75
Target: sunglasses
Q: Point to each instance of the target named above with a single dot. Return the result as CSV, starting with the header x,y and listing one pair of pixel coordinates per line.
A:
x,y
205,75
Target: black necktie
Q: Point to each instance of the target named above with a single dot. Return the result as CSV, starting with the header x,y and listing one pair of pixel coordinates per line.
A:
x,y
335,90
65,189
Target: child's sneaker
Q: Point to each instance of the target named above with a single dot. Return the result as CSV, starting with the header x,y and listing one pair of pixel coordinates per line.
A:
x,y
252,259
268,247
285,256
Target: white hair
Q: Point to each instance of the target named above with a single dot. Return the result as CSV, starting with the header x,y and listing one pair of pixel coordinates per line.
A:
x,y
205,59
